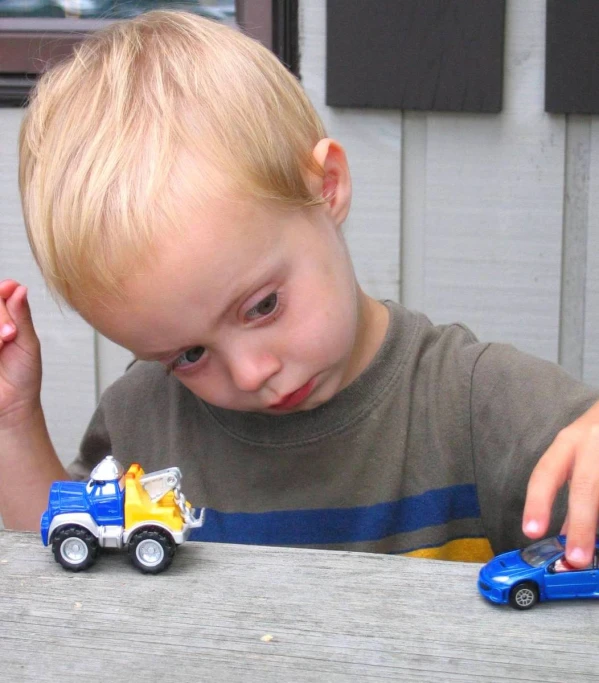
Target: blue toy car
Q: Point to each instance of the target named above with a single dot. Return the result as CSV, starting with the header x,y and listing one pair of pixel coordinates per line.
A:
x,y
538,573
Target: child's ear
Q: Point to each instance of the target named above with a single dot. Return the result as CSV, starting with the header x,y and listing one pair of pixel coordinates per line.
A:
x,y
335,183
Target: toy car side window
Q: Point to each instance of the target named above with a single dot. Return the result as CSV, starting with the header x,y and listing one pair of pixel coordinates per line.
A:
x,y
560,566
99,488
108,489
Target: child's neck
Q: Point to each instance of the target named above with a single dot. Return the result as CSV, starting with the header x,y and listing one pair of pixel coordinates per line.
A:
x,y
373,320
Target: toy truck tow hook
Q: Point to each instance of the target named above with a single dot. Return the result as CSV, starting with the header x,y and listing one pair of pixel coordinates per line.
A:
x,y
147,514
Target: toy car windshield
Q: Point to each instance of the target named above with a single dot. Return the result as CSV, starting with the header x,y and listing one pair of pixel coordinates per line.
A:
x,y
538,553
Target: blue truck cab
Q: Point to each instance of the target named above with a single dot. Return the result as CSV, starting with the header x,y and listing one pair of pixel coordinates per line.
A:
x,y
104,501
102,497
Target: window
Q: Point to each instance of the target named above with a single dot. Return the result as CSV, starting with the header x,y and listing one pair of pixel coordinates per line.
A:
x,y
101,488
36,33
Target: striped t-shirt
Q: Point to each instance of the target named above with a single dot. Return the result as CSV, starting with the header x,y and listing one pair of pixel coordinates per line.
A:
x,y
428,452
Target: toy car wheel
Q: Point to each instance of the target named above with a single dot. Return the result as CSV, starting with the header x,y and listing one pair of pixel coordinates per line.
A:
x,y
74,548
524,595
151,550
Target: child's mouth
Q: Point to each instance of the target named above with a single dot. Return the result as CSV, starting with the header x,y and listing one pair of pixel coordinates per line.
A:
x,y
295,398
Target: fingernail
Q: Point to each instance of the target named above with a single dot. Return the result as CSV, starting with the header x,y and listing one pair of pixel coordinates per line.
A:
x,y
7,329
532,527
577,555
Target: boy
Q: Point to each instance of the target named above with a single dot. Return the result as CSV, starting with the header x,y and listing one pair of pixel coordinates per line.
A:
x,y
180,192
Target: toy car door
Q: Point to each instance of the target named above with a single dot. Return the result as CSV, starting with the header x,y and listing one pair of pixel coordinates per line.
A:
x,y
107,503
576,583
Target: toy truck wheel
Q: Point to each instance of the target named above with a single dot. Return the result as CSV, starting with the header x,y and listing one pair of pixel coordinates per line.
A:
x,y
524,595
151,550
74,548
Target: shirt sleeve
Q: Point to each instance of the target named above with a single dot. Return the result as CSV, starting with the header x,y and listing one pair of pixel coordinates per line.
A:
x,y
519,403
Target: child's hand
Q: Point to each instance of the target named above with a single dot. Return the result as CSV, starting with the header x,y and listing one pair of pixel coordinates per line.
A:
x,y
573,457
20,359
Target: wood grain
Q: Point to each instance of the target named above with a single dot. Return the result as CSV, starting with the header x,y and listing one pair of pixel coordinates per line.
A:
x,y
333,616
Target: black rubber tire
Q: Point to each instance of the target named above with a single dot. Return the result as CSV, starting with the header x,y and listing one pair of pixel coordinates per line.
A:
x,y
64,537
158,539
524,595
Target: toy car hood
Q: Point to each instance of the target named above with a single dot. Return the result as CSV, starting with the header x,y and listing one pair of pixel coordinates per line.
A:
x,y
68,495
506,568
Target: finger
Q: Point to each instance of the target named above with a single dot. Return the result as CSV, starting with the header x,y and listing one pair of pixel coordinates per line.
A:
x,y
7,288
8,328
18,308
583,502
549,474
17,305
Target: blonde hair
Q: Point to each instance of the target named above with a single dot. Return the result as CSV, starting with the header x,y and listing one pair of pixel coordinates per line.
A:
x,y
103,142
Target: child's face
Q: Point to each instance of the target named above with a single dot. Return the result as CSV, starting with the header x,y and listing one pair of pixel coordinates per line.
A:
x,y
251,307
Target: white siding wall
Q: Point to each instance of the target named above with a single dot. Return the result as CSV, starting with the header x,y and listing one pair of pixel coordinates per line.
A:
x,y
478,218
76,363
477,233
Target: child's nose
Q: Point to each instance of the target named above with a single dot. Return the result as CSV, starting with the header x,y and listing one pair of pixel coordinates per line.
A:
x,y
251,370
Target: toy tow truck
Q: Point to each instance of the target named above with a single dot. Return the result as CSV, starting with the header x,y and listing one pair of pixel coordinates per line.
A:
x,y
145,513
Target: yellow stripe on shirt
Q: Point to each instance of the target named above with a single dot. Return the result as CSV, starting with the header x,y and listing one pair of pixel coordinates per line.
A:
x,y
460,550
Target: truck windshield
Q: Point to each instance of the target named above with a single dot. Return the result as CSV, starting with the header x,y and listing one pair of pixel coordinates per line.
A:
x,y
538,553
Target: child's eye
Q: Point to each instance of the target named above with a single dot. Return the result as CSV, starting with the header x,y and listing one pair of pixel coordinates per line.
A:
x,y
264,308
188,357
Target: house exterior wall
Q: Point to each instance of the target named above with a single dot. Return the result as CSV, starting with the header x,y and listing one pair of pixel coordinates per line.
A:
x,y
491,220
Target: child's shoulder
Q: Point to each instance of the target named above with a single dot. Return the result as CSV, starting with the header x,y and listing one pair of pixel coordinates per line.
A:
x,y
416,335
451,352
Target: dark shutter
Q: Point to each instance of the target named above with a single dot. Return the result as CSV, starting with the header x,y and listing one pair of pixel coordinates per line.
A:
x,y
440,55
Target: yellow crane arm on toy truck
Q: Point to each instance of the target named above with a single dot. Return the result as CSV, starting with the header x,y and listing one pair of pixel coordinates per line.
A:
x,y
150,497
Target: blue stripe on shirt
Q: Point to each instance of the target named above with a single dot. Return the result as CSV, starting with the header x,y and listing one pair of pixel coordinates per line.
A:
x,y
340,525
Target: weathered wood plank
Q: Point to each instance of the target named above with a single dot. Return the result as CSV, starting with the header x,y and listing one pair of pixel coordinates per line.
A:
x,y
333,616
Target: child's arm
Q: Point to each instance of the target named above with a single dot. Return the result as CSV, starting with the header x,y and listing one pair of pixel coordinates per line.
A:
x,y
572,457
28,462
